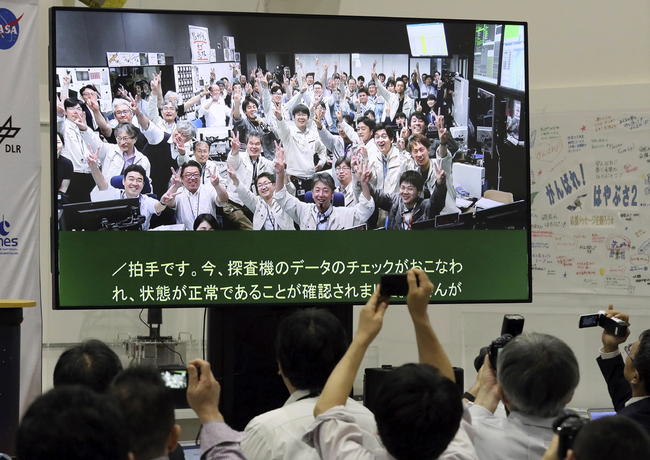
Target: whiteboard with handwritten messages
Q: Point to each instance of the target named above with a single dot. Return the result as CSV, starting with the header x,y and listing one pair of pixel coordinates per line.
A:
x,y
590,188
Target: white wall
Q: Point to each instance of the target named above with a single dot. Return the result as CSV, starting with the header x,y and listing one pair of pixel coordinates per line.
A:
x,y
583,56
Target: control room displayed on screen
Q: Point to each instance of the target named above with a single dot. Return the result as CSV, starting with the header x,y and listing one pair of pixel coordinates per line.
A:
x,y
222,159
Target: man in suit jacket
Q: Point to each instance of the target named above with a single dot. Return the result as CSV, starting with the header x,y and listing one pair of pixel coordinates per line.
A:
x,y
627,376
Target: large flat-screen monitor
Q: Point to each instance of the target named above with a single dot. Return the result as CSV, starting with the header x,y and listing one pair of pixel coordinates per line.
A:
x,y
115,49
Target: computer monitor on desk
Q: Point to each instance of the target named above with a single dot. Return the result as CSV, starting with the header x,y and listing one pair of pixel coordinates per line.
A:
x,y
471,178
103,215
505,217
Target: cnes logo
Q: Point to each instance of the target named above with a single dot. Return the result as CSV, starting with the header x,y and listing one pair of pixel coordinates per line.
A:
x,y
4,231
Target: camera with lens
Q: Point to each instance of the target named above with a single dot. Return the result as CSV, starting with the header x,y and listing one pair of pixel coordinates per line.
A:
x,y
567,428
512,326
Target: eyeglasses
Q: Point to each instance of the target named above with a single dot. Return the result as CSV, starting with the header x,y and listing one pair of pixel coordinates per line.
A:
x,y
343,168
192,175
123,139
171,109
627,349
264,184
122,112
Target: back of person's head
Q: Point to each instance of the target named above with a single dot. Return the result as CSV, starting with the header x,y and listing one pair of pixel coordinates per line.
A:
x,y
91,364
148,409
308,345
642,360
418,412
612,438
538,374
72,423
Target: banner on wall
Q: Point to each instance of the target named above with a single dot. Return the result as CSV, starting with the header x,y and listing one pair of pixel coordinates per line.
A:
x,y
590,183
20,179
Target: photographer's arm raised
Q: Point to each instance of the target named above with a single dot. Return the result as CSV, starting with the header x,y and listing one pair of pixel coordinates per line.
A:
x,y
430,350
339,384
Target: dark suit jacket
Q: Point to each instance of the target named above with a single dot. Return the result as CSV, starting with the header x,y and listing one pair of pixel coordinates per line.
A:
x,y
424,209
620,392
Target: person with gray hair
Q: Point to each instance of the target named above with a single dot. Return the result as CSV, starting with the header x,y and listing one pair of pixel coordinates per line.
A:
x,y
115,158
164,148
535,378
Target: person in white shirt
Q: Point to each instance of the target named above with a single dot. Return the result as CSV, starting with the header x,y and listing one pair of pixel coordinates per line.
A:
x,y
308,345
133,182
115,158
398,101
247,165
267,213
75,149
419,410
194,198
343,179
201,155
214,109
322,214
536,376
302,144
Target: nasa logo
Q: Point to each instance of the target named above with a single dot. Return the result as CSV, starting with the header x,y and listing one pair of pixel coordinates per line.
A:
x,y
9,28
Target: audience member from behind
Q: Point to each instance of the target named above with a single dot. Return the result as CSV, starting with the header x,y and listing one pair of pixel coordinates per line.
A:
x,y
628,375
91,364
608,438
218,440
72,423
536,377
148,410
308,345
420,414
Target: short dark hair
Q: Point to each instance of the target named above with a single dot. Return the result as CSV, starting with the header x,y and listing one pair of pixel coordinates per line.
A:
x,y
612,438
302,108
418,139
308,345
209,218
345,160
420,116
418,412
369,122
148,409
363,89
538,374
349,118
414,178
431,97
84,88
249,100
137,168
71,102
191,163
369,114
324,177
388,128
268,175
642,359
72,423
91,364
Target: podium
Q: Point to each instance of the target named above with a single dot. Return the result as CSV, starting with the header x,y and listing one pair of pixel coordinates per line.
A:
x,y
11,316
